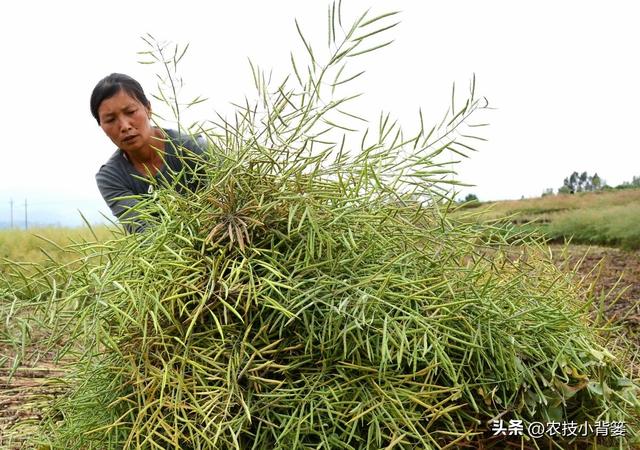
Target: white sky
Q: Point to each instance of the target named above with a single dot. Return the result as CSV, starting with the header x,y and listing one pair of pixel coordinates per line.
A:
x,y
564,77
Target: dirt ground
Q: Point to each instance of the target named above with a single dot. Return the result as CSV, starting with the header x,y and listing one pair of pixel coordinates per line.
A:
x,y
22,399
610,270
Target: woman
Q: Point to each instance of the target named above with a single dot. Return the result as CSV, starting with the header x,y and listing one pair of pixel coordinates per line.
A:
x,y
146,155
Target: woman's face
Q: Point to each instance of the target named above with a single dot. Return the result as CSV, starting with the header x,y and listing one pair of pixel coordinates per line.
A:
x,y
126,121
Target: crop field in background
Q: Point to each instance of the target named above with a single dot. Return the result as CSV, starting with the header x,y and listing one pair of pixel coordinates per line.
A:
x,y
603,218
38,245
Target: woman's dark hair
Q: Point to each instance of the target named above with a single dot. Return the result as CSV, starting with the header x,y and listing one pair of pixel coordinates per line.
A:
x,y
110,86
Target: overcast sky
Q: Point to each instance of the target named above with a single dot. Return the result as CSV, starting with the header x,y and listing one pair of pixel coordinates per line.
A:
x,y
564,78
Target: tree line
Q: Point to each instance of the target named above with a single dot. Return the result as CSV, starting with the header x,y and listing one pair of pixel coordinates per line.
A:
x,y
583,182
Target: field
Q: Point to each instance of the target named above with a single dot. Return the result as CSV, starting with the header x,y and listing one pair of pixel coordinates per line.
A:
x,y
597,234
611,271
22,392
601,230
39,245
604,218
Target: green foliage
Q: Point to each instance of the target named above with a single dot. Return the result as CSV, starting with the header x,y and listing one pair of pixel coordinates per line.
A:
x,y
615,226
39,245
581,183
312,297
564,190
603,217
470,198
633,184
469,201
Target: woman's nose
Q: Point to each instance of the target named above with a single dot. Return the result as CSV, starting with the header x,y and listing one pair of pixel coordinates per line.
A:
x,y
125,125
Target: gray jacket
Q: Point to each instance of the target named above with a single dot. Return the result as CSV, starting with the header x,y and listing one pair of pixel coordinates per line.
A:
x,y
118,180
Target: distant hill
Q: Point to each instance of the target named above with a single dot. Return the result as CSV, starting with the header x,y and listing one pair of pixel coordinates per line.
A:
x,y
609,218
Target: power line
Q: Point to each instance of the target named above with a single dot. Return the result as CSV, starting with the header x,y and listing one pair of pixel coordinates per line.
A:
x,y
70,201
54,212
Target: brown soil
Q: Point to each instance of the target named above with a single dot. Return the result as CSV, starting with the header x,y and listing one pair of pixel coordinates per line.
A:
x,y
23,395
609,272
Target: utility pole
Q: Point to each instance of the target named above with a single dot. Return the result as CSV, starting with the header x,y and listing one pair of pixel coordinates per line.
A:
x,y
26,224
11,204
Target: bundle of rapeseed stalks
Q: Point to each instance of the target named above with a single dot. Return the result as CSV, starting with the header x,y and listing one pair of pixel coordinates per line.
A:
x,y
311,297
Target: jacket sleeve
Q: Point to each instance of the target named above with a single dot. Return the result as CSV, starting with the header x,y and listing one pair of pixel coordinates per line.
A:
x,y
120,199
